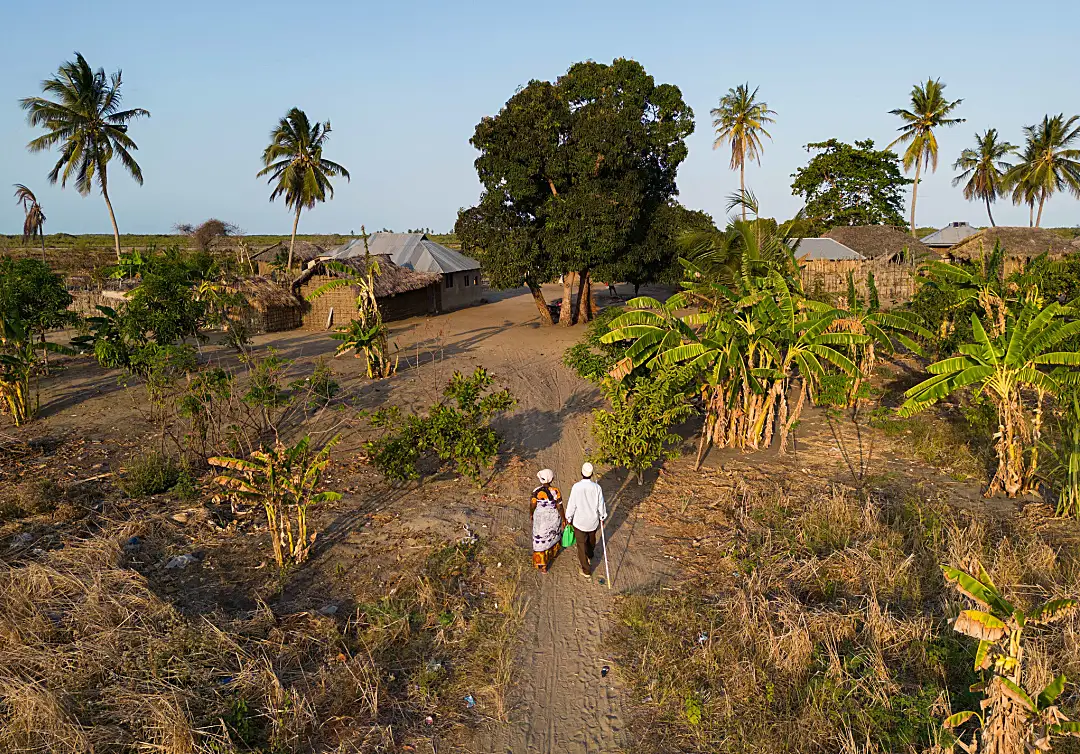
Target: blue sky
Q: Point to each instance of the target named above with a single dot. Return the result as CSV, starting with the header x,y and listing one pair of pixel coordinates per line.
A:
x,y
405,82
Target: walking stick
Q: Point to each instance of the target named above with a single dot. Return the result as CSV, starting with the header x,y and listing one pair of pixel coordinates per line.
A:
x,y
603,541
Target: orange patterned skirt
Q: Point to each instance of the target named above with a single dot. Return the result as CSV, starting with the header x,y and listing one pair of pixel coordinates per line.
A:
x,y
543,559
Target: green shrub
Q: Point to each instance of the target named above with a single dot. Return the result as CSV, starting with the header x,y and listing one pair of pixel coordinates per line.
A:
x,y
636,432
456,429
149,474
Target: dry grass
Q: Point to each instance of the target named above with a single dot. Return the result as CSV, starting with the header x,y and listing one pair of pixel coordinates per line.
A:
x,y
816,623
93,660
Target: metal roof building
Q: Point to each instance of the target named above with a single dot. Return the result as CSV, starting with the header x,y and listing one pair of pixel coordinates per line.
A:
x,y
826,249
950,235
414,251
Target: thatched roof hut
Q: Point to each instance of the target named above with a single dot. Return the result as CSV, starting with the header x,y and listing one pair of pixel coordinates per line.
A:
x,y
401,292
1018,243
264,294
879,242
390,281
303,251
268,306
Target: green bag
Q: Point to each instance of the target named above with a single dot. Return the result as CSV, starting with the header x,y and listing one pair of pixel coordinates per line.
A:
x,y
568,536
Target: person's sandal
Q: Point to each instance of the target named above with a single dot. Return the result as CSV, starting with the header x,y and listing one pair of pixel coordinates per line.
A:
x,y
586,575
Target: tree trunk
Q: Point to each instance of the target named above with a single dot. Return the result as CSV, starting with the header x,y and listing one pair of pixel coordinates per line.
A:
x,y
41,233
636,289
742,185
565,312
292,241
579,307
1031,214
915,195
112,216
1042,200
989,213
590,309
541,304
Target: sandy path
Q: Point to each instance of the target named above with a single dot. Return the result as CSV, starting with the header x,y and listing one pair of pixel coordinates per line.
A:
x,y
561,701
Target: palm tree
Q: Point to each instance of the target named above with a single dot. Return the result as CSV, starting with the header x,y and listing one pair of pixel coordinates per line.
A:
x,y
296,166
1050,162
984,169
34,224
740,119
86,122
929,110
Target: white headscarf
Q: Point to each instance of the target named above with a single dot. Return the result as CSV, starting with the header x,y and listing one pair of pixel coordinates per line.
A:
x,y
545,476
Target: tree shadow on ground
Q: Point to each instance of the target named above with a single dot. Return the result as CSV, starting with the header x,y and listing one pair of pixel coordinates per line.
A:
x,y
532,431
623,495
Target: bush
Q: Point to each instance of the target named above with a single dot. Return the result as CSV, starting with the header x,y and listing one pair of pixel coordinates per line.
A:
x,y
149,474
457,429
636,432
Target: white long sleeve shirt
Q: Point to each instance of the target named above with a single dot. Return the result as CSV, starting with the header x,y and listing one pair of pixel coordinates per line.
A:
x,y
586,507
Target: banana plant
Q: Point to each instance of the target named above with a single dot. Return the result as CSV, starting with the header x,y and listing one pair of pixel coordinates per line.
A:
x,y
18,368
749,343
1014,718
1005,367
365,335
284,480
881,328
983,283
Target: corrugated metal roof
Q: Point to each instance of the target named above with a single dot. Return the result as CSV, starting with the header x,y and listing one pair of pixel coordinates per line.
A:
x,y
950,235
411,250
827,249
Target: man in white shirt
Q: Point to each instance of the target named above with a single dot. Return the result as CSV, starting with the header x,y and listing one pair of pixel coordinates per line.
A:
x,y
586,511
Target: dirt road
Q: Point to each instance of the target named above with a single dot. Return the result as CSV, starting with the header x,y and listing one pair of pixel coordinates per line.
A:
x,y
563,701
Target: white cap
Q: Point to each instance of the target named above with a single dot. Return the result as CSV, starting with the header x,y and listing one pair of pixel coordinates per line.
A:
x,y
586,469
545,476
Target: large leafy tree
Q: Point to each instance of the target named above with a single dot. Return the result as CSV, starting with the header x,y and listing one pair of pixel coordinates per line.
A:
x,y
653,257
573,173
34,220
851,185
1050,162
740,120
1003,364
85,120
296,167
929,112
984,169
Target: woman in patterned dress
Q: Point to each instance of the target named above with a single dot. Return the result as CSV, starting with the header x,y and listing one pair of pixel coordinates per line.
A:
x,y
548,519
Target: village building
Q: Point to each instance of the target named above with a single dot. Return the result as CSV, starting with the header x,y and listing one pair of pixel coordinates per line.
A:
x,y
825,250
400,292
462,281
277,255
267,306
881,243
949,236
1020,244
